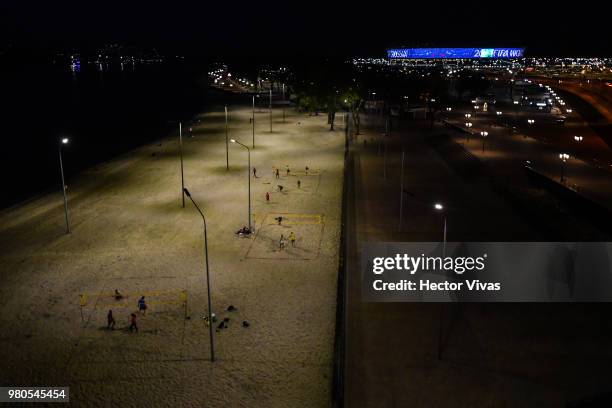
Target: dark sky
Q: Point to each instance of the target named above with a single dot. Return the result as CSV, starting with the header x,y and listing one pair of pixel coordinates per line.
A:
x,y
290,28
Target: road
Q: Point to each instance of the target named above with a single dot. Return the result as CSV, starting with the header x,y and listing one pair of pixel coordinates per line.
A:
x,y
509,150
490,354
596,94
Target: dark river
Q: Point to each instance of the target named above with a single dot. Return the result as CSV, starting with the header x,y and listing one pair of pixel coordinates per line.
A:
x,y
104,112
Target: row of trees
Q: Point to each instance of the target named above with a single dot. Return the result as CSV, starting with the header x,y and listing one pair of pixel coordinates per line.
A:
x,y
333,85
329,86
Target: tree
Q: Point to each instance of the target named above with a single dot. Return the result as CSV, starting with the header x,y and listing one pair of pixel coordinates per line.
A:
x,y
327,86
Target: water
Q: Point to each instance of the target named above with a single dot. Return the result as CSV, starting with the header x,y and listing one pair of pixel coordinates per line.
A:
x,y
104,113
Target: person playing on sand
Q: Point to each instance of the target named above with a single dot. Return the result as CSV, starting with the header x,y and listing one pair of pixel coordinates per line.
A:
x,y
254,172
279,219
277,175
306,170
142,305
288,170
281,242
267,197
118,296
111,320
292,239
133,324
299,183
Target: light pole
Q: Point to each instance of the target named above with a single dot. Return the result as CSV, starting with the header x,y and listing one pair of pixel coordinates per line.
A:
x,y
401,191
181,154
385,160
253,117
564,157
248,176
210,317
283,103
484,135
226,142
498,114
270,109
468,125
63,142
439,207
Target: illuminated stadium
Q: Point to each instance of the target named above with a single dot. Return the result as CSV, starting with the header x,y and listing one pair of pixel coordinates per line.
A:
x,y
454,53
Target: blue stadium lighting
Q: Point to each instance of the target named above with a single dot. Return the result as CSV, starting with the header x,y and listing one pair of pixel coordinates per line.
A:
x,y
442,53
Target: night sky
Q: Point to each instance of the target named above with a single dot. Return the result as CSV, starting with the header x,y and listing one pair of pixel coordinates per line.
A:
x,y
294,29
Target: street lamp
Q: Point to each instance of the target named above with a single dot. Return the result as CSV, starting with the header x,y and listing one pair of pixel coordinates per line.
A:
x,y
401,191
226,142
181,154
253,120
283,103
440,208
564,157
468,125
484,134
210,318
248,176
270,109
64,141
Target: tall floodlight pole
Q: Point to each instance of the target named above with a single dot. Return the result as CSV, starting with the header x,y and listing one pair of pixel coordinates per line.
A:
x,y
270,109
226,142
401,192
283,103
63,142
385,160
564,157
181,153
444,238
210,317
253,120
439,207
248,176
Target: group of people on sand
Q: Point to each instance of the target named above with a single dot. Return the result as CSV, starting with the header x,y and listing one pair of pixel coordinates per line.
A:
x,y
276,174
283,240
133,320
245,231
